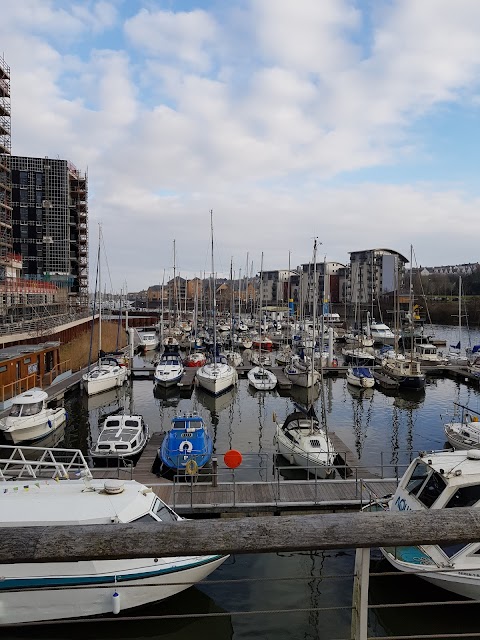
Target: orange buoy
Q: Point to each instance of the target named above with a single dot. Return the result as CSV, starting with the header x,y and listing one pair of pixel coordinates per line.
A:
x,y
233,459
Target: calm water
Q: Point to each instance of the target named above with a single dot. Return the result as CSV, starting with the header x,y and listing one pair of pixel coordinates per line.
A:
x,y
377,426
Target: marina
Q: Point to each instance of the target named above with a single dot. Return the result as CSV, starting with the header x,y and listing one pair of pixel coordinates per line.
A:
x,y
377,431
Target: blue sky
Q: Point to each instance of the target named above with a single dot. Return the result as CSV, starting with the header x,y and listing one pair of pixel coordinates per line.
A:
x,y
356,122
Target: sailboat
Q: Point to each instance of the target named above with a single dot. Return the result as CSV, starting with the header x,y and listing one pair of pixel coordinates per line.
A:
x,y
302,438
454,355
259,377
217,376
109,372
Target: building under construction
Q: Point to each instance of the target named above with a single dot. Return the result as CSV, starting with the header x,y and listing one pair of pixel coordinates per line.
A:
x,y
43,236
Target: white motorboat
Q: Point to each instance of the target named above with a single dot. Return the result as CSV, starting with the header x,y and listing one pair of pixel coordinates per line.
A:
x,y
304,442
169,370
381,333
146,339
30,418
407,372
217,377
107,374
439,480
464,434
262,379
123,437
427,353
34,592
360,377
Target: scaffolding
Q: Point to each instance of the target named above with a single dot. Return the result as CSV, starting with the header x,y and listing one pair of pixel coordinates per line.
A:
x,y
5,175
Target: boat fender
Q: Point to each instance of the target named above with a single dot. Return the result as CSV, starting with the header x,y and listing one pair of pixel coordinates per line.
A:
x,y
191,467
334,362
49,422
185,447
474,419
116,605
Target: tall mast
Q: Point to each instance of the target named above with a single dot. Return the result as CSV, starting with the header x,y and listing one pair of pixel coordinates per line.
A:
x,y
260,312
100,293
214,298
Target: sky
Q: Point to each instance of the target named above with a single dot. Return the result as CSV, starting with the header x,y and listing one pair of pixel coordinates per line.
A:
x,y
354,122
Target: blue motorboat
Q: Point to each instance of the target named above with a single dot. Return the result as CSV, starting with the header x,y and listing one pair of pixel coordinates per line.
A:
x,y
188,440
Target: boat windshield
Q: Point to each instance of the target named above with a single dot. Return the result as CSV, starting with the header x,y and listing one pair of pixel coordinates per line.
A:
x,y
26,409
425,484
163,512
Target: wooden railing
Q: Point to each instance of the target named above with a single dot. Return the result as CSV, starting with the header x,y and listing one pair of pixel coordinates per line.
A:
x,y
12,389
50,376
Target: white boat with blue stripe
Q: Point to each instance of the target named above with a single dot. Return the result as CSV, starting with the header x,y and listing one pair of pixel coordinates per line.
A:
x,y
36,491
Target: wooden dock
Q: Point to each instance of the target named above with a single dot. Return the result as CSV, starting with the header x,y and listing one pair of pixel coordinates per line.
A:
x,y
202,495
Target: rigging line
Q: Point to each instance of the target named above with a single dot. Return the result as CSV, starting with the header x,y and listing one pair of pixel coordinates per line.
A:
x,y
106,259
94,309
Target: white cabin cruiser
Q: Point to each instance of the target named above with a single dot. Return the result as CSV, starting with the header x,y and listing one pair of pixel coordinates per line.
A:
x,y
123,437
108,374
30,418
304,442
146,339
381,333
169,370
33,592
439,480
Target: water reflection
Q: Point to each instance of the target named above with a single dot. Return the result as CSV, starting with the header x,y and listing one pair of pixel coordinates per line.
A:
x,y
168,396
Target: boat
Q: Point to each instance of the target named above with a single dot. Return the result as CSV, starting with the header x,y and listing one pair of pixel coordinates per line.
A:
x,y
217,376
263,343
384,381
187,440
358,356
195,359
145,339
30,418
40,591
304,442
262,379
122,438
300,371
438,480
428,354
381,333
464,434
109,372
360,377
169,370
406,372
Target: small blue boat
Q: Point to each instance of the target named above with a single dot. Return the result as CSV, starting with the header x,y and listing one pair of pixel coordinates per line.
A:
x,y
188,439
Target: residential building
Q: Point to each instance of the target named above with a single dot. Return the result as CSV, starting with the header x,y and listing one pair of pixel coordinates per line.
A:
x,y
275,287
375,273
6,248
50,223
330,286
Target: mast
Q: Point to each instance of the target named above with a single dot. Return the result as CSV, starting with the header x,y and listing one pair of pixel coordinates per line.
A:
x,y
100,295
214,299
260,313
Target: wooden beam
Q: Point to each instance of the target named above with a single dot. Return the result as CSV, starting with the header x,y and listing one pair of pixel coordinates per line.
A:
x,y
252,535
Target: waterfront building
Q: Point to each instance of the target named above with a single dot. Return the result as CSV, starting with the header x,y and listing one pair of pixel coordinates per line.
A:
x,y
330,287
375,273
5,176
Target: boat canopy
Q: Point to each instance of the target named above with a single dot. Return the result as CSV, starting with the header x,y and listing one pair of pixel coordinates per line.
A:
x,y
362,372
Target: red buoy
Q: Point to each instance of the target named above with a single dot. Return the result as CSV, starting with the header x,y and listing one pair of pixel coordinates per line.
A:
x,y
233,459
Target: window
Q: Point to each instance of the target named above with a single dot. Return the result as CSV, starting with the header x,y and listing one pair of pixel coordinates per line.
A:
x,y
465,497
432,489
32,409
418,477
163,512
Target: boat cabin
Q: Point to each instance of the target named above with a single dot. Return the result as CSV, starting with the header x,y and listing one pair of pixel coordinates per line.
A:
x,y
25,366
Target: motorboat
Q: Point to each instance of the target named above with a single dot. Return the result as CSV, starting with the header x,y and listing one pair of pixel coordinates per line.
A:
x,y
304,442
262,379
40,591
30,418
122,438
145,339
438,480
187,440
464,434
169,370
428,354
264,343
360,377
217,377
107,374
234,358
381,333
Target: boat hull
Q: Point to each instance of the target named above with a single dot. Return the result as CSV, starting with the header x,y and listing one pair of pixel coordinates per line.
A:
x,y
216,382
147,582
97,385
34,432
